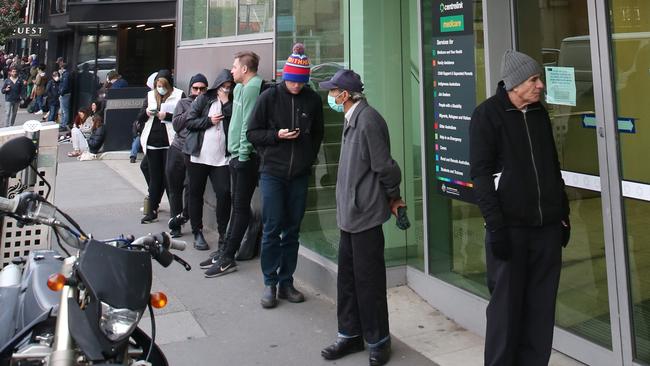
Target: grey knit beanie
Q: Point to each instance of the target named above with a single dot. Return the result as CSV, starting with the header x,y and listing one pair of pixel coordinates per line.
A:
x,y
517,67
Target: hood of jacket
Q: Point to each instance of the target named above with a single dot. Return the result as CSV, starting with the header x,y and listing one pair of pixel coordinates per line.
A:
x,y
198,78
224,76
164,73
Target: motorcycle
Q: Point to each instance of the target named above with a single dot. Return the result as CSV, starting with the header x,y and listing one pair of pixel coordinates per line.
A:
x,y
82,308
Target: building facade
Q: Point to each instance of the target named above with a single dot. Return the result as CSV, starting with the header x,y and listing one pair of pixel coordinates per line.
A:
x,y
426,65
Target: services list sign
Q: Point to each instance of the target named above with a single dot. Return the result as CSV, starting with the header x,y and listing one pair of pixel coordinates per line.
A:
x,y
454,95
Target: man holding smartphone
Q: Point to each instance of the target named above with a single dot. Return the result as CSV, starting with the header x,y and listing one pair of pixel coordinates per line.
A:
x,y
286,128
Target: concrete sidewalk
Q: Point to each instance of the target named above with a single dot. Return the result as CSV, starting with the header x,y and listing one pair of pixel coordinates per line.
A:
x,y
219,321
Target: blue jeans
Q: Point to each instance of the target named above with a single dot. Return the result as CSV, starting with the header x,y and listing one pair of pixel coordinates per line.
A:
x,y
54,110
135,147
283,207
38,103
65,109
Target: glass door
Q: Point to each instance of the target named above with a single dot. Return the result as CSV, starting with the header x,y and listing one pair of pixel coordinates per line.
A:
x,y
629,37
556,33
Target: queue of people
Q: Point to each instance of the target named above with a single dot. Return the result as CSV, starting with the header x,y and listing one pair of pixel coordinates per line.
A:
x,y
242,132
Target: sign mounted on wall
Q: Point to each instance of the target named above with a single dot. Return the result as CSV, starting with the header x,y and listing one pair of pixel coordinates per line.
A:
x,y
454,96
34,31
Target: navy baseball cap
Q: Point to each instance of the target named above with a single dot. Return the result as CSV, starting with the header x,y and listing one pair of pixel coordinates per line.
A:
x,y
344,79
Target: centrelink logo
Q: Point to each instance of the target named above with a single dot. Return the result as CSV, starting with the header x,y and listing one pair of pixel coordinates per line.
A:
x,y
454,6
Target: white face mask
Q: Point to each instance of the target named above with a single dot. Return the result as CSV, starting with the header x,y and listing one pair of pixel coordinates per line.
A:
x,y
161,90
225,90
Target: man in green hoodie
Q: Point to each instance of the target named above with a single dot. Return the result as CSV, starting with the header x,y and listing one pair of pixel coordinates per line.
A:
x,y
243,160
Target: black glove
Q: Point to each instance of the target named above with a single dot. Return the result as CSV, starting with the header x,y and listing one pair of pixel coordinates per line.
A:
x,y
402,220
566,232
499,242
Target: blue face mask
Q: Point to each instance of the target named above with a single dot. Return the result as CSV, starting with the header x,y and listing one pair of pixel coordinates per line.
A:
x,y
332,102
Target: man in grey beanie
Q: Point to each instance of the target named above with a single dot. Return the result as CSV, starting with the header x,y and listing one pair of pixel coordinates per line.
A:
x,y
526,214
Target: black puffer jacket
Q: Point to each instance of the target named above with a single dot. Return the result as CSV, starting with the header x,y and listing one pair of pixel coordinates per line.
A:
x,y
520,145
276,109
96,139
198,120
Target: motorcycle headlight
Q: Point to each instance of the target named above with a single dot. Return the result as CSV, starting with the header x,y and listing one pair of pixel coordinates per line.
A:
x,y
117,323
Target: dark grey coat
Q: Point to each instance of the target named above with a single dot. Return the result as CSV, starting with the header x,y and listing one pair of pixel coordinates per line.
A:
x,y
368,177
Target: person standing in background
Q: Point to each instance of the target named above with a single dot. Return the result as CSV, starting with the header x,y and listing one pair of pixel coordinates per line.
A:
x,y
156,136
286,128
243,160
176,170
12,88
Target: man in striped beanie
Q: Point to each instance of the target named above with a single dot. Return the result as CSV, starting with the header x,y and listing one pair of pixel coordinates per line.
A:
x,y
286,128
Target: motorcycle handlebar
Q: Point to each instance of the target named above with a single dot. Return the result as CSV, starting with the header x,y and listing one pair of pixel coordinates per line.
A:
x,y
8,205
177,244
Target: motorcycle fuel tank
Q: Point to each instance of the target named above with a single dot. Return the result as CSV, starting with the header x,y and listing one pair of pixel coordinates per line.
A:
x,y
36,297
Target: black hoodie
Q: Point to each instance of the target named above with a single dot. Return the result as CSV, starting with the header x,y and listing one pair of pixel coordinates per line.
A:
x,y
276,109
198,120
520,145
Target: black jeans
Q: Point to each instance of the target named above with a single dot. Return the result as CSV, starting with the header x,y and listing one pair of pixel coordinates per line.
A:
x,y
156,160
243,178
220,179
521,312
177,183
362,308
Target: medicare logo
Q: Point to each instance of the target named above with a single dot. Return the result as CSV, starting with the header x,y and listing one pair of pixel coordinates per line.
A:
x,y
454,6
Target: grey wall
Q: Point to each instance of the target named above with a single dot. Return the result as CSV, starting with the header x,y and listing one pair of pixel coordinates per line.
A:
x,y
209,59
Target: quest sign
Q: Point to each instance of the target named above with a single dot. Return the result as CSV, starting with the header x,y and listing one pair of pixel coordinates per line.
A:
x,y
454,95
34,31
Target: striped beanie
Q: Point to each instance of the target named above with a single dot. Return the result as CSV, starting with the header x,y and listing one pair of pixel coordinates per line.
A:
x,y
517,67
297,66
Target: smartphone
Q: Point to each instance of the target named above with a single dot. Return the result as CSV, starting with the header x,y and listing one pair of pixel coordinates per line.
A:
x,y
291,130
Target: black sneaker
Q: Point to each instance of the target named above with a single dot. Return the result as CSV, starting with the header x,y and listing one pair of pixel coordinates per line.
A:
x,y
132,159
150,217
221,267
214,257
175,233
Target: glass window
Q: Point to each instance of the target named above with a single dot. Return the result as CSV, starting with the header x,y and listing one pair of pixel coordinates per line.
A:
x,y
194,22
225,18
318,24
222,18
630,41
255,16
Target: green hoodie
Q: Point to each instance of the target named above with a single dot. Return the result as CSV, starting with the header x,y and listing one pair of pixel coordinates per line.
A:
x,y
243,102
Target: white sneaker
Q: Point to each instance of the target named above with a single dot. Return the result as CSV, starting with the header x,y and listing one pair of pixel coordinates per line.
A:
x,y
38,113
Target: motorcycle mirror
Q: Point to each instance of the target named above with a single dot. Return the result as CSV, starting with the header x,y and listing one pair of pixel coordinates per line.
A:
x,y
16,155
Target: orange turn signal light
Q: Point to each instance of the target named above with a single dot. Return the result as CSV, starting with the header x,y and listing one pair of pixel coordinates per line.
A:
x,y
56,282
158,300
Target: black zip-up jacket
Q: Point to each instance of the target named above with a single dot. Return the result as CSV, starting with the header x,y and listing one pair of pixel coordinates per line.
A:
x,y
275,109
197,120
520,145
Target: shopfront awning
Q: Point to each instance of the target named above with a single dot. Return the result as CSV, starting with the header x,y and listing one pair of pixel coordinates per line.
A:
x,y
97,12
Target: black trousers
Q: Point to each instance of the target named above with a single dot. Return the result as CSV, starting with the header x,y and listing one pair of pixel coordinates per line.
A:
x,y
521,312
177,182
362,307
220,180
144,167
243,178
156,161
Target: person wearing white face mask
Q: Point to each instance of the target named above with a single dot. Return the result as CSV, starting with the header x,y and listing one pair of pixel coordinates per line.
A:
x,y
156,136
